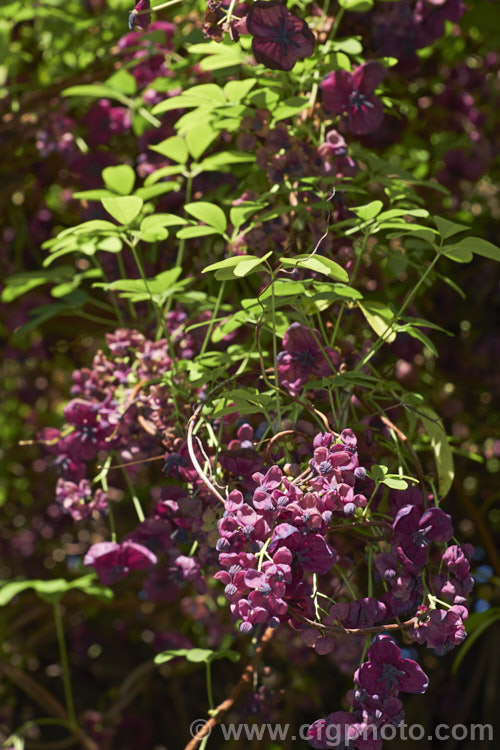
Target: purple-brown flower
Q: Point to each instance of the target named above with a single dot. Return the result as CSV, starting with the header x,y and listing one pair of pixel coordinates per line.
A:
x,y
302,357
279,37
139,18
114,561
352,94
386,673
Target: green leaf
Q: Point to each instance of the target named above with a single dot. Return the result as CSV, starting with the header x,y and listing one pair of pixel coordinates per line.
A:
x,y
119,179
349,45
209,213
368,211
457,253
152,230
53,590
318,264
93,195
378,472
222,162
291,106
196,655
356,6
187,233
448,228
235,91
379,317
474,245
20,283
174,169
395,483
96,91
199,139
235,266
123,81
174,148
152,191
123,209
442,450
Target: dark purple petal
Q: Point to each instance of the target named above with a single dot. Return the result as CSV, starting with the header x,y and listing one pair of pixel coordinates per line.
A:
x,y
367,77
367,117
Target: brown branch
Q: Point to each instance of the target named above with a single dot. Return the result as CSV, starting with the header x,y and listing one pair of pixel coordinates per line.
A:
x,y
243,684
355,631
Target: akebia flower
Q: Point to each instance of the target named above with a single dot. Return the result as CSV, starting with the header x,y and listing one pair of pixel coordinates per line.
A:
x,y
113,561
279,37
138,18
302,356
352,94
386,673
414,531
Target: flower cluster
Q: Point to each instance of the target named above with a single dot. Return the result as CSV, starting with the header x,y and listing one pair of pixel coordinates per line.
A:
x,y
269,544
375,701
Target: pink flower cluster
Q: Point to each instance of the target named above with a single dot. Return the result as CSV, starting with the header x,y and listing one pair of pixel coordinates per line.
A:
x,y
266,545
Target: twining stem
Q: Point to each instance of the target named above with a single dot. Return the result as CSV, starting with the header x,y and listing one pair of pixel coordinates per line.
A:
x,y
157,7
63,655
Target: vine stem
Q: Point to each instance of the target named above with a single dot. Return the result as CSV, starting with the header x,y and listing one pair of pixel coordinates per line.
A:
x,y
244,682
355,631
63,655
156,7
189,439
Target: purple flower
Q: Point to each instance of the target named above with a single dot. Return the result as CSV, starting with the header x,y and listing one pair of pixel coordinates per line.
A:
x,y
77,499
138,18
414,533
279,37
386,673
241,462
338,730
302,357
153,533
310,551
113,561
431,15
443,630
352,93
91,431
